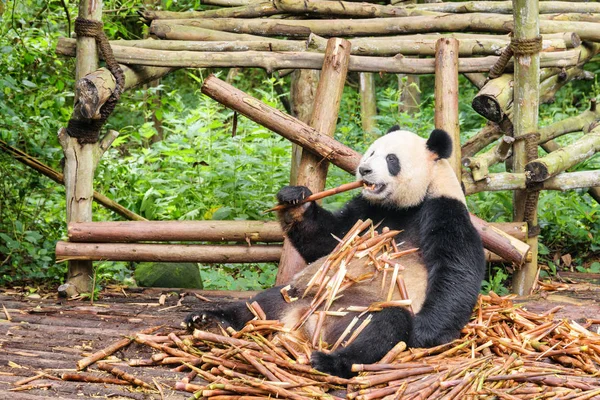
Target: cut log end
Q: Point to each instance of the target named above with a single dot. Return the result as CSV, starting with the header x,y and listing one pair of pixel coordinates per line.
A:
x,y
488,107
537,171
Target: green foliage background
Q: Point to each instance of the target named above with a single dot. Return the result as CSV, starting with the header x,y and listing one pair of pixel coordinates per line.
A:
x,y
199,171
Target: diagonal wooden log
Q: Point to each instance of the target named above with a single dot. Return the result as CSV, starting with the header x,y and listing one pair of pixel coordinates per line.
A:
x,y
328,148
57,177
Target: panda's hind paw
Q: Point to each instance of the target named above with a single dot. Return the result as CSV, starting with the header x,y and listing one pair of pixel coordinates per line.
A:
x,y
198,320
332,364
291,195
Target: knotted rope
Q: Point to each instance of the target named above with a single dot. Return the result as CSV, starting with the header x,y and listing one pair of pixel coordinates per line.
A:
x,y
517,47
88,131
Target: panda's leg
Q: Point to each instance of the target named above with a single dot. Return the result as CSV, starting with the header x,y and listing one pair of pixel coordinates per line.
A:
x,y
387,327
237,314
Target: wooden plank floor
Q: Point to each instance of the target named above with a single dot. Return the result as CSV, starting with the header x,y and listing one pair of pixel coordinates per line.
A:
x,y
50,335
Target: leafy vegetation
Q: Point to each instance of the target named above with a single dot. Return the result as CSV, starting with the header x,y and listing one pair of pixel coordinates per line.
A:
x,y
199,170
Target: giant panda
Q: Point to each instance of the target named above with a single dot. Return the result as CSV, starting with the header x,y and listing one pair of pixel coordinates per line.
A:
x,y
411,187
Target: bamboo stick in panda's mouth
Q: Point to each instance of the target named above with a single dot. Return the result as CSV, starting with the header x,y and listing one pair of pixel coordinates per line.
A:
x,y
319,195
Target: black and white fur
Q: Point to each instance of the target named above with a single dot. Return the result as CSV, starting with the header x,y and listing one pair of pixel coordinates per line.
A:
x,y
411,187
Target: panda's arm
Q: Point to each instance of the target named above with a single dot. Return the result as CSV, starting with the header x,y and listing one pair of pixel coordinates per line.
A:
x,y
453,255
310,227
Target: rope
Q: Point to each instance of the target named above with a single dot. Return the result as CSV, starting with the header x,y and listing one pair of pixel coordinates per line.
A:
x,y
517,47
533,188
89,131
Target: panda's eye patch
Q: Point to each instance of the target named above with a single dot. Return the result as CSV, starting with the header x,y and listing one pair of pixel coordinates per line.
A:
x,y
393,164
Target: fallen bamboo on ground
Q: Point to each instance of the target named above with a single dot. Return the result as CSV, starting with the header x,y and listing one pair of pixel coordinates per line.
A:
x,y
57,177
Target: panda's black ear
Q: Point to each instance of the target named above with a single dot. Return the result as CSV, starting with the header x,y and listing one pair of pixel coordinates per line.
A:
x,y
393,129
440,143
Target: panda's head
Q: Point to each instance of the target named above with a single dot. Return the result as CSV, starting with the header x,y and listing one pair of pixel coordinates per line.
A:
x,y
401,169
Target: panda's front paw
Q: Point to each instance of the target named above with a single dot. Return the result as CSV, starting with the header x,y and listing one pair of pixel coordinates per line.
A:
x,y
199,320
334,364
292,195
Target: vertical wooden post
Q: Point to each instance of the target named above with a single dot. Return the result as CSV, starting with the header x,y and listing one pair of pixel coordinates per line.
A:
x,y
446,96
525,121
368,102
80,159
302,94
313,169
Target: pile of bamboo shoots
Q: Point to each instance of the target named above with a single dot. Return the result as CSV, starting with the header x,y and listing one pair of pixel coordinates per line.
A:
x,y
505,351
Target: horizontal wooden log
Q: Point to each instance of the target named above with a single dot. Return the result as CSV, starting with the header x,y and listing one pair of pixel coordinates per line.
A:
x,y
505,7
515,181
141,252
253,10
328,8
66,46
183,32
67,251
581,122
566,157
205,231
511,248
176,231
476,22
272,61
328,148
424,45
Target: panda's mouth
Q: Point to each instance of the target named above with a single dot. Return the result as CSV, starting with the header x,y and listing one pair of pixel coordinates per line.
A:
x,y
374,188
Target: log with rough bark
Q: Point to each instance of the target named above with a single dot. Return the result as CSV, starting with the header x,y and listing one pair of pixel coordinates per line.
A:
x,y
477,22
495,99
446,96
566,157
210,231
66,251
424,45
66,47
59,178
512,181
487,135
183,32
581,122
175,231
368,102
81,159
312,171
297,132
480,164
514,249
281,123
527,26
272,61
506,7
328,8
254,10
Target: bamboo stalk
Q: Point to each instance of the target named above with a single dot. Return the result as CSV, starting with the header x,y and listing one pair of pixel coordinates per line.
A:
x,y
92,379
123,375
321,195
113,348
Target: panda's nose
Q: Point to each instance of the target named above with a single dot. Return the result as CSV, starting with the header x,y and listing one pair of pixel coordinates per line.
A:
x,y
364,171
